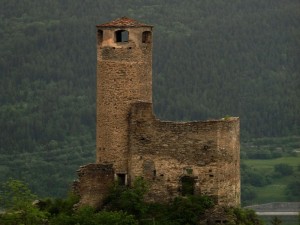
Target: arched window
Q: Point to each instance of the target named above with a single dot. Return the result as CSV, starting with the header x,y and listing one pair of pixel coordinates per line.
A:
x,y
100,36
121,36
146,37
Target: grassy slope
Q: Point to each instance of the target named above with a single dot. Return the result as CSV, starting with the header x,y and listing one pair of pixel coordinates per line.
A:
x,y
274,192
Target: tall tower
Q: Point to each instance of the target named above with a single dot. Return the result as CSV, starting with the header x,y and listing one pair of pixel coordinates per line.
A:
x,y
124,76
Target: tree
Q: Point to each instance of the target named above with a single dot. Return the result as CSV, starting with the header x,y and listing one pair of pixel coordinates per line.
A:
x,y
17,200
292,190
276,221
244,217
283,169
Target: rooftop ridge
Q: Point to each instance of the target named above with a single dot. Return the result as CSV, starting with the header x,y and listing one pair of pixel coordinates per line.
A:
x,y
123,22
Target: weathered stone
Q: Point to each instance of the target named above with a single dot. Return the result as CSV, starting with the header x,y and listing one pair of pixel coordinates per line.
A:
x,y
94,183
137,144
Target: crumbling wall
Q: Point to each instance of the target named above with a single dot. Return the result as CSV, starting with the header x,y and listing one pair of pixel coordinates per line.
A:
x,y
93,184
164,152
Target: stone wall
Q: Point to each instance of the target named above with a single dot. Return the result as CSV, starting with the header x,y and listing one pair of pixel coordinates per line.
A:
x,y
174,157
124,76
93,184
163,152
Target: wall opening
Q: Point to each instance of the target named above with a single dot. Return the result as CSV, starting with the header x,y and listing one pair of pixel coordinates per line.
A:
x,y
121,178
187,185
100,36
149,170
146,37
122,36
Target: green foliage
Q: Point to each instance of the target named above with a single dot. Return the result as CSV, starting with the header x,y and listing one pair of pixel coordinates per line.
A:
x,y
292,190
17,200
283,169
15,195
251,176
248,194
130,200
188,210
88,216
276,221
59,206
244,217
242,64
182,210
277,188
270,148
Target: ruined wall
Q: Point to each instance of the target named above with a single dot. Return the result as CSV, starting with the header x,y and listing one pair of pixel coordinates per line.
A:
x,y
131,142
164,152
93,184
124,76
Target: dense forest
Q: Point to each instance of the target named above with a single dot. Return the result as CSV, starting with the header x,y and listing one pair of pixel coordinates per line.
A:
x,y
212,58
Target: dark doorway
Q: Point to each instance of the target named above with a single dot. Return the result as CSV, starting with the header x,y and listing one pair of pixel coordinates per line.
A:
x,y
121,178
187,185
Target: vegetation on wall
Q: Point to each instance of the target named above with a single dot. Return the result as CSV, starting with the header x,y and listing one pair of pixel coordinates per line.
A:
x,y
124,206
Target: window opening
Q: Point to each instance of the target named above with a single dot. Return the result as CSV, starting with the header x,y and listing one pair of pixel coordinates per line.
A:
x,y
146,37
187,185
121,178
100,36
122,36
154,174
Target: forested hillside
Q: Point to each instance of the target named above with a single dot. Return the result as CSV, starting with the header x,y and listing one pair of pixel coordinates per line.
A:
x,y
212,58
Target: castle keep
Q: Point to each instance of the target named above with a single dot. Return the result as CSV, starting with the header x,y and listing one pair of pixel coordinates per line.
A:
x,y
175,158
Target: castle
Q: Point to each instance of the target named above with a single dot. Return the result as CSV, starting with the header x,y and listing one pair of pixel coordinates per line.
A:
x,y
175,158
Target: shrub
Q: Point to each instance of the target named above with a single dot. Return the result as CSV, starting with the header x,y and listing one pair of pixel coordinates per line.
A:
x,y
244,217
17,200
130,200
283,169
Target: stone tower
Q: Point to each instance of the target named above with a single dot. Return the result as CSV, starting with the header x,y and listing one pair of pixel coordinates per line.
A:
x,y
124,76
175,158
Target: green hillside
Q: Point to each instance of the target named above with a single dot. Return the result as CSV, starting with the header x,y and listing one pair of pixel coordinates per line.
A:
x,y
211,59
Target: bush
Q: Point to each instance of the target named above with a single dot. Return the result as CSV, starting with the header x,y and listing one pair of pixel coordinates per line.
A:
x,y
130,200
255,178
17,200
283,169
292,190
188,210
244,217
248,194
88,216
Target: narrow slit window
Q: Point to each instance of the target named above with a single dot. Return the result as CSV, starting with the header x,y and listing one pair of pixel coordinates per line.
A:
x,y
100,36
122,36
154,174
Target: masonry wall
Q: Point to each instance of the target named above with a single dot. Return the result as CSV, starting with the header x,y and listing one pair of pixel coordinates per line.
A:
x,y
124,76
93,184
164,152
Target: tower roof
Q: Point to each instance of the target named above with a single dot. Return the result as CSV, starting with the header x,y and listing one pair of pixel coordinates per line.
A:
x,y
124,22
